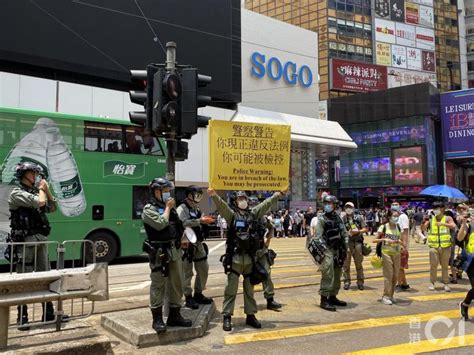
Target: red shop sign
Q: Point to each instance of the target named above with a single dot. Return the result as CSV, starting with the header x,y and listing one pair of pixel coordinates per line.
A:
x,y
347,75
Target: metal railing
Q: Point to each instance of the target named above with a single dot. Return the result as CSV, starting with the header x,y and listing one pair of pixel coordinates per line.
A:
x,y
33,285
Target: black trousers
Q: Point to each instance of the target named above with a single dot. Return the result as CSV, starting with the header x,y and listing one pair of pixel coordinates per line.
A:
x,y
470,293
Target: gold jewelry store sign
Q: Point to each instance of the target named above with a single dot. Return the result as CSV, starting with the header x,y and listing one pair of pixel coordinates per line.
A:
x,y
249,156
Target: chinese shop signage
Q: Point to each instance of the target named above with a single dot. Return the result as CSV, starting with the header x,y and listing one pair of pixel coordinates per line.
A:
x,y
358,77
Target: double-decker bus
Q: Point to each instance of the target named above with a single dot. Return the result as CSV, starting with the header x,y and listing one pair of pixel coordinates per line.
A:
x,y
97,168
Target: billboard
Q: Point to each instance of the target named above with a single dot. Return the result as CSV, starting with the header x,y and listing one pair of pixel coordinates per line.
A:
x,y
425,38
397,10
402,77
383,54
407,165
384,31
414,59
348,75
426,16
405,35
457,117
412,13
399,56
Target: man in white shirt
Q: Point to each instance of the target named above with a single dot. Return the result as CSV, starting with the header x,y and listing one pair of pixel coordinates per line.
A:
x,y
404,224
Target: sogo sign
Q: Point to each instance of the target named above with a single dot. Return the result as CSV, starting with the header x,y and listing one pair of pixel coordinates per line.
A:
x,y
275,70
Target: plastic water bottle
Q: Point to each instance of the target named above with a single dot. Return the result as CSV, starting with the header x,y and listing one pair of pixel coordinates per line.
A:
x,y
31,147
64,174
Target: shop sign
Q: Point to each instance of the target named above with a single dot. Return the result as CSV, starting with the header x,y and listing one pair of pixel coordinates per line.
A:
x,y
412,13
425,38
399,56
359,77
426,16
384,54
397,10
428,61
402,77
384,31
413,58
405,35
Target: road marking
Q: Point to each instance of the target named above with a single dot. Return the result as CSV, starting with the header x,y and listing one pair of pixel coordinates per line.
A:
x,y
439,296
216,247
139,286
335,327
424,346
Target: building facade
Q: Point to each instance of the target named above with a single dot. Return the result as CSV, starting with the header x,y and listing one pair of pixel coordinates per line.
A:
x,y
416,40
469,40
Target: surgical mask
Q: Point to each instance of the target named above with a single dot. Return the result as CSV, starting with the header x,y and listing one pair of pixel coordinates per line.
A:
x,y
395,208
437,212
394,220
197,198
38,180
242,204
349,211
328,208
165,196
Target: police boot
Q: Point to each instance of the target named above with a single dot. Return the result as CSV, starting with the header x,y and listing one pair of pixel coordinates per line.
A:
x,y
336,302
326,305
22,317
201,299
272,304
48,312
176,320
227,325
158,325
191,303
253,321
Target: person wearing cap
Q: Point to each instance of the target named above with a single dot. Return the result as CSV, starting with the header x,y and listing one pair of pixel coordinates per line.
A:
x,y
356,227
439,241
164,232
404,224
29,202
195,254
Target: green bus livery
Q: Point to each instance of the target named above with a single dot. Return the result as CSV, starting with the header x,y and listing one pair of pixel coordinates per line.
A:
x,y
98,170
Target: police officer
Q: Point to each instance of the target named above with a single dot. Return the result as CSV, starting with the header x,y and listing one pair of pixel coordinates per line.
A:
x,y
196,254
356,227
331,232
242,243
164,231
29,202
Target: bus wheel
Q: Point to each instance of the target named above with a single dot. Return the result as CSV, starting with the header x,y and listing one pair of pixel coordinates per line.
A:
x,y
106,247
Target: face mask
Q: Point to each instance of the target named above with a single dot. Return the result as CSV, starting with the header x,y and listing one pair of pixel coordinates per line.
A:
x,y
38,180
394,220
437,212
197,198
328,208
349,211
242,204
395,207
165,196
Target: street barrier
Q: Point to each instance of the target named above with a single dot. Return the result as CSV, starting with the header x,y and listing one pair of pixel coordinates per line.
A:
x,y
80,284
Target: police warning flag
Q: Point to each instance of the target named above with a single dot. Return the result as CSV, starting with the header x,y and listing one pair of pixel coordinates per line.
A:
x,y
249,156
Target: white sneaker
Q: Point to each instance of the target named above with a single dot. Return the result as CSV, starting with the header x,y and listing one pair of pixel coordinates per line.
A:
x,y
447,288
431,287
386,300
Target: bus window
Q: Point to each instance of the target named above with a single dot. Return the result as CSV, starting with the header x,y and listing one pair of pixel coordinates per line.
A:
x,y
94,135
7,133
113,138
140,141
140,199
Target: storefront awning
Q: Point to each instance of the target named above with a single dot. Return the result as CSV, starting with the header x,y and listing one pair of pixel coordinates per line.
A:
x,y
328,137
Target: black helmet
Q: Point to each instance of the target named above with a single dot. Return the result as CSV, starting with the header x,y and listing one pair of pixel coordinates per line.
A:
x,y
160,183
22,168
330,198
194,190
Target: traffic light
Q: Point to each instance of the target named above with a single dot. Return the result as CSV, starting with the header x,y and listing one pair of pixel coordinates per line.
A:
x,y
190,101
144,79
166,110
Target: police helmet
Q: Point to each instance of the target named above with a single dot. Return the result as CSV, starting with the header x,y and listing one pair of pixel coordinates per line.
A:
x,y
236,195
192,189
330,198
160,183
22,168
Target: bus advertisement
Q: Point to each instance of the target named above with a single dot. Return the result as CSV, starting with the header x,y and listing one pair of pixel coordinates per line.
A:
x,y
98,170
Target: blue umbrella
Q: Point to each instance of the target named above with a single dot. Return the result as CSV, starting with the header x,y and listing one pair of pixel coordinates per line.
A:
x,y
444,191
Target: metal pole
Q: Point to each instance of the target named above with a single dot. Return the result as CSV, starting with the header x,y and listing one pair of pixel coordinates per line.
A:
x,y
171,148
4,321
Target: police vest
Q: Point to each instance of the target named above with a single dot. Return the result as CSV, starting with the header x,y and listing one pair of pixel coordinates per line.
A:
x,y
470,243
171,232
439,237
247,233
332,232
195,213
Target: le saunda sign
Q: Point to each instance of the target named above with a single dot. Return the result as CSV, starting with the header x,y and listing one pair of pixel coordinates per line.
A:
x,y
358,77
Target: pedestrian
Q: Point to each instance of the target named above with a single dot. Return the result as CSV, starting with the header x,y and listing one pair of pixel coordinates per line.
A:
x,y
164,232
404,224
356,228
418,219
439,241
308,216
278,225
370,221
195,254
390,237
298,221
29,202
331,232
243,240
286,223
466,238
222,224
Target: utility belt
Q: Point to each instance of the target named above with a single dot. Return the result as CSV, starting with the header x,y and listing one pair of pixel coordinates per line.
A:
x,y
190,251
159,251
256,276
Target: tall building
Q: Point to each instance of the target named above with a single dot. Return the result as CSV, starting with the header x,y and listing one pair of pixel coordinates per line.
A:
x,y
397,35
469,40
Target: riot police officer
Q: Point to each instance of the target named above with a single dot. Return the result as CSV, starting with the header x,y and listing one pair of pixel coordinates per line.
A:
x,y
164,231
190,214
332,234
29,202
243,241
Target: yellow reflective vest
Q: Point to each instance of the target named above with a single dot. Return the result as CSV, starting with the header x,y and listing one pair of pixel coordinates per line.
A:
x,y
439,237
470,243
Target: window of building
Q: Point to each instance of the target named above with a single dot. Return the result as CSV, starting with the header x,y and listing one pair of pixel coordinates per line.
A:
x,y
470,65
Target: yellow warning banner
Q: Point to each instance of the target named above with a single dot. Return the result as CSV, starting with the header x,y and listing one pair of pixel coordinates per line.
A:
x,y
249,156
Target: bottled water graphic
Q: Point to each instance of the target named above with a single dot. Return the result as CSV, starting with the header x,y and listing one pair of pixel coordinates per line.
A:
x,y
64,174
31,147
